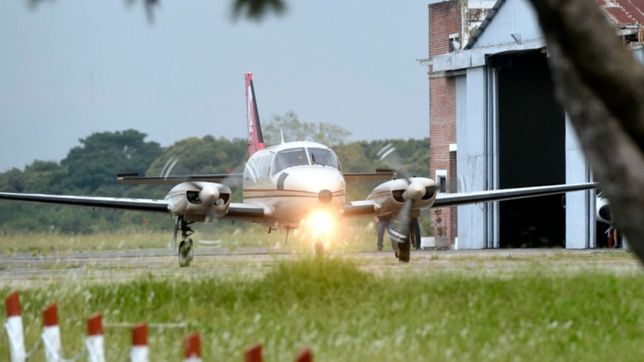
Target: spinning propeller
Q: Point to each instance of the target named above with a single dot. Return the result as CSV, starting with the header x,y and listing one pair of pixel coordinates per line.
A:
x,y
398,228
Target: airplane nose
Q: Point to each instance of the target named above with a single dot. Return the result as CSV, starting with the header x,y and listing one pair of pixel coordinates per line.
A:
x,y
325,196
324,182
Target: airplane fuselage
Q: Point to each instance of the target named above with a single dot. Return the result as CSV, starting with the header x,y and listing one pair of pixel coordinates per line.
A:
x,y
293,179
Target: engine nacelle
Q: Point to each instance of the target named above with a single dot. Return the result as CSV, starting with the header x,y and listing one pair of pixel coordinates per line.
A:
x,y
391,195
198,200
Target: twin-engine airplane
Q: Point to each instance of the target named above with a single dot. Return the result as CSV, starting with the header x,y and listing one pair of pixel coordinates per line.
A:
x,y
289,185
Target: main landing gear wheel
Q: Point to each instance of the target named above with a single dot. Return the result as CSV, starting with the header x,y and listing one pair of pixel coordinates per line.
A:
x,y
184,251
318,247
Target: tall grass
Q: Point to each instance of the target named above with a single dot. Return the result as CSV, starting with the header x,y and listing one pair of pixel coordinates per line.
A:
x,y
345,314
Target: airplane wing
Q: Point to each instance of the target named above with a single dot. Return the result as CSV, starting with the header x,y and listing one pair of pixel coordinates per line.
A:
x,y
235,211
371,208
456,199
91,201
135,179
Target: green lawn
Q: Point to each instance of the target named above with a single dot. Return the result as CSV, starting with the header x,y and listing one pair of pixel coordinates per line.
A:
x,y
346,314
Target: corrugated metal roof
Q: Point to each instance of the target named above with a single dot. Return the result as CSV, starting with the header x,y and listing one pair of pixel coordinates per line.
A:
x,y
620,12
624,12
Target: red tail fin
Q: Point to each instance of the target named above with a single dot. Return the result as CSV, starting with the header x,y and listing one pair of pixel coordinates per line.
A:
x,y
255,137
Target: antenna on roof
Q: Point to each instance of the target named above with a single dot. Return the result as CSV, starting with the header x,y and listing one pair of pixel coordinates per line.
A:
x,y
282,135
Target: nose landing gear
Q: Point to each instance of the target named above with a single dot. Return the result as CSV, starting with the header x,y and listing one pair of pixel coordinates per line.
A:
x,y
318,248
403,250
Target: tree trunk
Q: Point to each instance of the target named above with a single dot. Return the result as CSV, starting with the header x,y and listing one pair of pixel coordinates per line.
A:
x,y
601,85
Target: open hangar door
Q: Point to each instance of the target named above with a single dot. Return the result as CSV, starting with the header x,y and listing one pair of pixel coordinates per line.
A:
x,y
531,150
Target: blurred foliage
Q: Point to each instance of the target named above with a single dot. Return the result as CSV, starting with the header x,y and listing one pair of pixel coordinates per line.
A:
x,y
249,9
91,167
294,129
195,155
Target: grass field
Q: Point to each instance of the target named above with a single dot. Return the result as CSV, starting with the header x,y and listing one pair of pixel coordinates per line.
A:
x,y
345,313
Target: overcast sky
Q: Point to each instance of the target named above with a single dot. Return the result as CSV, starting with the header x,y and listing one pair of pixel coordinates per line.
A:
x,y
72,67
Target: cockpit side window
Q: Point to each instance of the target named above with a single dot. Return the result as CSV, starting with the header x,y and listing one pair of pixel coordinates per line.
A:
x,y
289,158
324,157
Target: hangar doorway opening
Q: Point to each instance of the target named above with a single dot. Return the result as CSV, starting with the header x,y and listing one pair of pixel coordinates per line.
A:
x,y
531,150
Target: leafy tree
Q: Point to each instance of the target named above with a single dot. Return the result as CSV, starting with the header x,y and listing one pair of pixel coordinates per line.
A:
x,y
102,155
12,181
250,9
296,130
43,176
205,155
602,88
119,151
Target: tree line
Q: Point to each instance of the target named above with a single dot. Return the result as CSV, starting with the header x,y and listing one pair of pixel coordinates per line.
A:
x,y
91,168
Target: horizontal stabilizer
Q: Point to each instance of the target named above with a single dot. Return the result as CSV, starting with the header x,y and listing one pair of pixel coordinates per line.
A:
x,y
228,179
369,176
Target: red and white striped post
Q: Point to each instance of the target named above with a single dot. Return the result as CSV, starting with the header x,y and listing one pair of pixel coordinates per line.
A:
x,y
51,334
254,354
14,328
304,356
192,348
94,342
140,351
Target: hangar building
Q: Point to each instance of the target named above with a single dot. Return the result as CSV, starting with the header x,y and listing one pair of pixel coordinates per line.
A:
x,y
494,123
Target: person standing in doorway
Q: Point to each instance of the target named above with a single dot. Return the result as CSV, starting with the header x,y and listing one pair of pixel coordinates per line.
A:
x,y
383,223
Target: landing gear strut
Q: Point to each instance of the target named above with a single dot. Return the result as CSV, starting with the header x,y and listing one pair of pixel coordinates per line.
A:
x,y
185,246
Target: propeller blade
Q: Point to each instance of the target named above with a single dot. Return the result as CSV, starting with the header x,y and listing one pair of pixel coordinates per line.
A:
x,y
399,227
389,155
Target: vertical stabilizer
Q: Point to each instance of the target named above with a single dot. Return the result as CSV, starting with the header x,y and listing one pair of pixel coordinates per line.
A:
x,y
255,137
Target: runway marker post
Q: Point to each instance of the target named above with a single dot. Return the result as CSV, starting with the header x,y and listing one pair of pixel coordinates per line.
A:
x,y
94,342
14,328
140,351
192,348
305,355
51,334
254,354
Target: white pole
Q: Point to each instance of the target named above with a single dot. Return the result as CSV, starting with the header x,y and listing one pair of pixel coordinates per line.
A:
x,y
139,352
51,334
14,328
94,342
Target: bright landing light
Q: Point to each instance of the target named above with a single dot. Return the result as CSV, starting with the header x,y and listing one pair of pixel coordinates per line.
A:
x,y
320,223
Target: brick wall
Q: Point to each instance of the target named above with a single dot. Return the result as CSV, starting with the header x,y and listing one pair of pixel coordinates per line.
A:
x,y
444,19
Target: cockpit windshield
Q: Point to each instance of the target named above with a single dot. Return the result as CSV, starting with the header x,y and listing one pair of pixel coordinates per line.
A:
x,y
289,158
325,157
298,157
